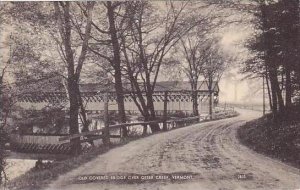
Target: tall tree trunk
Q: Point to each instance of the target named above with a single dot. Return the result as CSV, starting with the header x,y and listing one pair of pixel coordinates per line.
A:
x,y
150,104
63,16
195,98
82,112
146,118
72,81
74,111
275,91
210,83
85,121
117,66
278,104
269,90
279,97
195,103
288,89
3,139
290,30
270,60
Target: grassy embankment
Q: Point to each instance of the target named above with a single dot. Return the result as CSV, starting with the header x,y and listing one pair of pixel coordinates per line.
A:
x,y
279,140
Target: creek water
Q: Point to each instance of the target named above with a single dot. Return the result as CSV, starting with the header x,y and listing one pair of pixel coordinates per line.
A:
x,y
16,167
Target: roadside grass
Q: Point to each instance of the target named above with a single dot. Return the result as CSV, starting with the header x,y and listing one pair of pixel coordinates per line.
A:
x,y
276,140
37,179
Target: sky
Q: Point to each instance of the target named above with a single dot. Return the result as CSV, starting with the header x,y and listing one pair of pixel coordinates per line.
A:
x,y
234,86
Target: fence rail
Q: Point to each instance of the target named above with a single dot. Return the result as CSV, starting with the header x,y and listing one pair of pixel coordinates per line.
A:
x,y
61,143
105,132
97,134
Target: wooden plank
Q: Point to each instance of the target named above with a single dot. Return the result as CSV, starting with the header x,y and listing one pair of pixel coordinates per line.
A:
x,y
115,136
80,134
94,137
183,119
137,123
117,126
91,138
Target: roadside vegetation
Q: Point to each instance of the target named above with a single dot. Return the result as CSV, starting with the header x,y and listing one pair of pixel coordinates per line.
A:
x,y
280,140
39,178
276,50
3,140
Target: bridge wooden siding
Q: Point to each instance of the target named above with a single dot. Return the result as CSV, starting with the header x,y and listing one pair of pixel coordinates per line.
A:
x,y
179,97
176,102
47,143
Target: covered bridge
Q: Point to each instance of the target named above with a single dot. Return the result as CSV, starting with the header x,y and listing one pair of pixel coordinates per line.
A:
x,y
43,136
179,96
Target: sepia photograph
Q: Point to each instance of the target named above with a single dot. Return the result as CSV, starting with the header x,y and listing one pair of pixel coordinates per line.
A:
x,y
150,95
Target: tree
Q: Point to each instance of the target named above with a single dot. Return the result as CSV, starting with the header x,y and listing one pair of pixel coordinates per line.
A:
x,y
146,43
105,44
215,64
117,61
193,49
4,99
288,26
278,45
64,22
4,105
41,19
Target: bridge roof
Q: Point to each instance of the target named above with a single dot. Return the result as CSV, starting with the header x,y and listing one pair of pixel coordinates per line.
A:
x,y
53,89
56,85
159,87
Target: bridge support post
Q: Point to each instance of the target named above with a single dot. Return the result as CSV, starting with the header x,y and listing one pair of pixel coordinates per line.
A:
x,y
165,128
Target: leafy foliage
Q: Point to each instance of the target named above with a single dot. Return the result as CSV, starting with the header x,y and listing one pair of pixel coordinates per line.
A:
x,y
3,141
276,53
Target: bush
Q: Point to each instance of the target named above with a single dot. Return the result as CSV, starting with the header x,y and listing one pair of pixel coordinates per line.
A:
x,y
3,141
179,114
278,140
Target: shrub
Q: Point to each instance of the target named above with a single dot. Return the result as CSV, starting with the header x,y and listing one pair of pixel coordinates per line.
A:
x,y
3,141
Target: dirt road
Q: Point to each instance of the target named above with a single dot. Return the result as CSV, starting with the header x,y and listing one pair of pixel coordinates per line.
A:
x,y
203,156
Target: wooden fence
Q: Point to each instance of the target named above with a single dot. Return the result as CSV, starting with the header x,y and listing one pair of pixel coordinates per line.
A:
x,y
105,135
33,143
